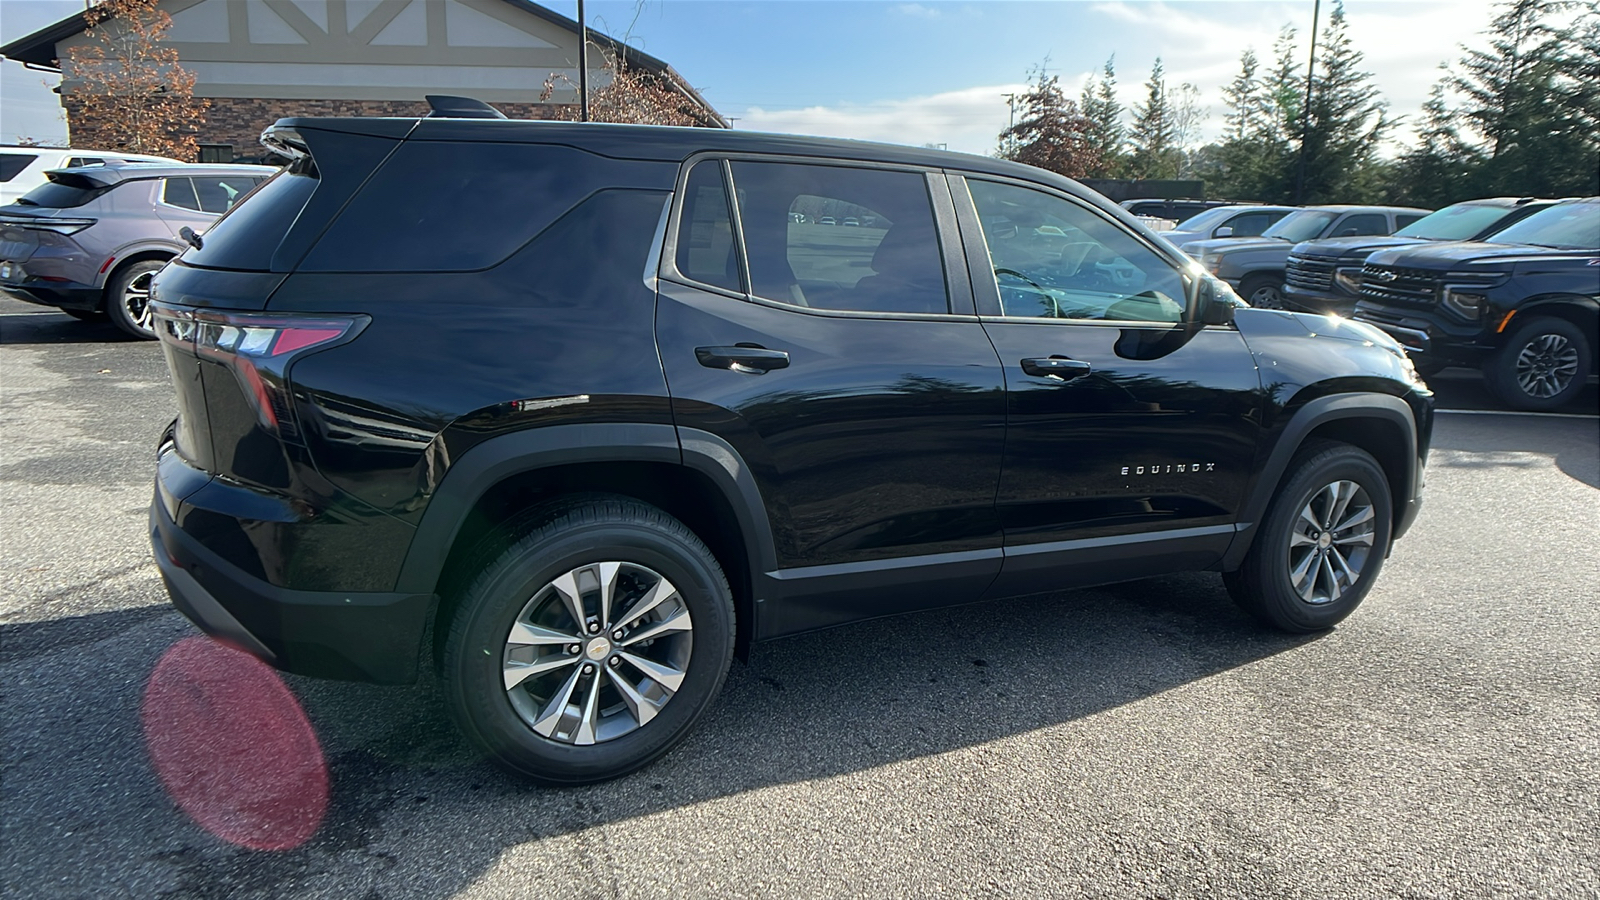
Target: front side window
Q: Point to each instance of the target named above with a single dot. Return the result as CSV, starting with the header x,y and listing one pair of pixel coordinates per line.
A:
x,y
1055,259
218,194
1252,224
1362,223
831,237
1304,225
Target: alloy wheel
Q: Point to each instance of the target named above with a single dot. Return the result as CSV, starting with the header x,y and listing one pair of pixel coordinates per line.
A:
x,y
1546,366
136,300
1331,542
1266,297
597,653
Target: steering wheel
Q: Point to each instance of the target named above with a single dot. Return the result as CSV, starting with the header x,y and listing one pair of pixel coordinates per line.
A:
x,y
1046,295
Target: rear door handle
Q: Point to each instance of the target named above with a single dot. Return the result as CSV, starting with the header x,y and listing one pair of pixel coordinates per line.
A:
x,y
749,360
1056,366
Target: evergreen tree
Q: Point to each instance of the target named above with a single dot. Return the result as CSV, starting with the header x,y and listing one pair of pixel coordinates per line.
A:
x,y
1439,170
1153,136
1052,133
1242,95
1107,136
1344,123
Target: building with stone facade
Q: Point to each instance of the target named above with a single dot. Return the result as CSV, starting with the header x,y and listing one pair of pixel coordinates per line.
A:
x,y
256,61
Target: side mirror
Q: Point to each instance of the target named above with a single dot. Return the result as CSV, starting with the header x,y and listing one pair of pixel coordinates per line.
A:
x,y
1223,231
1217,302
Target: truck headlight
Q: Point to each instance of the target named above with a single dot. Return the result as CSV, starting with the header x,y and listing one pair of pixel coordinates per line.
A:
x,y
1467,302
1349,278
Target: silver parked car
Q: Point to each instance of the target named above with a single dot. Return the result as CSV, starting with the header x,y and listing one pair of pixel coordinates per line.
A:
x,y
89,240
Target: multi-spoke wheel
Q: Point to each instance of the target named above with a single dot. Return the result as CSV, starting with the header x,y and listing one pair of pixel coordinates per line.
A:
x,y
592,644
127,299
1319,548
1262,291
1542,365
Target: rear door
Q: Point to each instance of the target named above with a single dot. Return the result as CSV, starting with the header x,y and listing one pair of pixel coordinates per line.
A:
x,y
845,365
1132,428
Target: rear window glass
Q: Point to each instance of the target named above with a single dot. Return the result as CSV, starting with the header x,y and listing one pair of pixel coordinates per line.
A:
x,y
63,195
705,238
449,207
12,164
248,235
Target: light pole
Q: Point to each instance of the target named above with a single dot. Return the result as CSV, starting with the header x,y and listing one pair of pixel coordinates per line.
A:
x,y
1305,111
583,65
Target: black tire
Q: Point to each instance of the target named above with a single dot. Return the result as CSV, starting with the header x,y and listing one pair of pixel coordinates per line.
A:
x,y
124,304
1262,291
565,538
86,315
1544,364
1265,586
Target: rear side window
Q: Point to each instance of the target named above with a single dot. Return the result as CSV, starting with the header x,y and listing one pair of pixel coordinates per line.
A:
x,y
881,254
12,164
179,192
705,237
451,207
248,235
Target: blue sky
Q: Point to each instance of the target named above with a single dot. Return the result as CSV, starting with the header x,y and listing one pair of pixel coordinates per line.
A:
x,y
928,72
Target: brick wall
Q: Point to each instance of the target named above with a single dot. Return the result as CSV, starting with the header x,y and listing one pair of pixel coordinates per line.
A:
x,y
240,121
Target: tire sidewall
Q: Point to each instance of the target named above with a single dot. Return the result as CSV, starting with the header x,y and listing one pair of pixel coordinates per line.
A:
x,y
1254,283
1278,599
1503,365
117,286
474,665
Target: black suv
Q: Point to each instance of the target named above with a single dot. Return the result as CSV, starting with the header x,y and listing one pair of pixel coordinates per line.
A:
x,y
1325,275
1524,308
572,414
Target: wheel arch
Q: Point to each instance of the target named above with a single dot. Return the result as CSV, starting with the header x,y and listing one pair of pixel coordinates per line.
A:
x,y
1583,312
122,263
703,483
1381,424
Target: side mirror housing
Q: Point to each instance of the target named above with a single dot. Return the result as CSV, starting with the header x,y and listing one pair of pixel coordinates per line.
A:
x,y
1223,231
1217,302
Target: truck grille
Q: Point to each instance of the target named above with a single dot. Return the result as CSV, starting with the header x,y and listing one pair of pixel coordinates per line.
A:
x,y
1309,274
1390,284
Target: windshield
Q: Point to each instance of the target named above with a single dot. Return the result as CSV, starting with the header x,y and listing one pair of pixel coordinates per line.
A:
x,y
1207,220
1565,226
1461,222
1300,226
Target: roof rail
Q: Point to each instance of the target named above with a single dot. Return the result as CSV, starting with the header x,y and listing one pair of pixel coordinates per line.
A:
x,y
447,107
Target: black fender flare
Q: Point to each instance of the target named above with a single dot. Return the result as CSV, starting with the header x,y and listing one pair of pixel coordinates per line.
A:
x,y
1362,405
497,458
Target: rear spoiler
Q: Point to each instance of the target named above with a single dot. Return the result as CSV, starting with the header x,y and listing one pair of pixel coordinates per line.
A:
x,y
285,139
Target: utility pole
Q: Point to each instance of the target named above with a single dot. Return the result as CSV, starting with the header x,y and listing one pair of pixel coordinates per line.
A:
x,y
1305,111
583,64
1011,139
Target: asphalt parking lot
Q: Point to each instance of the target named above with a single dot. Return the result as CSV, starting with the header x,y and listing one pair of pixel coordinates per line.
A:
x,y
1141,740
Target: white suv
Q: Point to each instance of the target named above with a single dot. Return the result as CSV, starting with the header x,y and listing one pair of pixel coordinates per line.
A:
x,y
22,168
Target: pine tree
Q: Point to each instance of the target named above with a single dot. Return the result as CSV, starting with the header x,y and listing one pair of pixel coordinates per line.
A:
x,y
1052,133
1242,95
1439,170
1153,136
1107,136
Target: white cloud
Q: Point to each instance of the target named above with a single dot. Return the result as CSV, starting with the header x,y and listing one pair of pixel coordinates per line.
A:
x,y
969,120
916,10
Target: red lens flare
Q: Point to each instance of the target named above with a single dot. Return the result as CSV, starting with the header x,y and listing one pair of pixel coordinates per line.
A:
x,y
232,746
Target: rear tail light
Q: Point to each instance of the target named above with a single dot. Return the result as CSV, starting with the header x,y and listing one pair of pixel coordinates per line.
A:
x,y
257,348
40,223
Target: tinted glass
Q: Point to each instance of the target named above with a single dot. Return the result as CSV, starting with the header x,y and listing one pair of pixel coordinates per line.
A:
x,y
246,237
705,233
179,192
1453,223
886,260
57,195
1362,223
1207,220
1055,259
218,194
1251,224
452,207
13,163
1300,226
1565,226
592,257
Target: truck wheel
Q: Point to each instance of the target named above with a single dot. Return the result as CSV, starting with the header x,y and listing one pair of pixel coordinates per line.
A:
x,y
591,646
1542,365
128,298
1321,544
1263,291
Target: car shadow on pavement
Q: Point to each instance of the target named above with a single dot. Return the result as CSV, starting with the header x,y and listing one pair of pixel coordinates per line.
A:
x,y
45,327
1491,442
405,786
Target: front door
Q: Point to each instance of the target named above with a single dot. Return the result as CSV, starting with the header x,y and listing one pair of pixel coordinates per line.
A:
x,y
811,328
1132,429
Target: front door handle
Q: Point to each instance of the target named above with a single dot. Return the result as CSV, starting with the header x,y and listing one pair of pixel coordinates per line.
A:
x,y
748,360
1056,367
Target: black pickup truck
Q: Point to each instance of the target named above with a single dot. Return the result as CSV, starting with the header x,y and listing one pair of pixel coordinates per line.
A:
x,y
1524,309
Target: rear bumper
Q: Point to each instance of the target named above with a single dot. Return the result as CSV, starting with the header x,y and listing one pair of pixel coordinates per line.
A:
x,y
61,295
357,636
